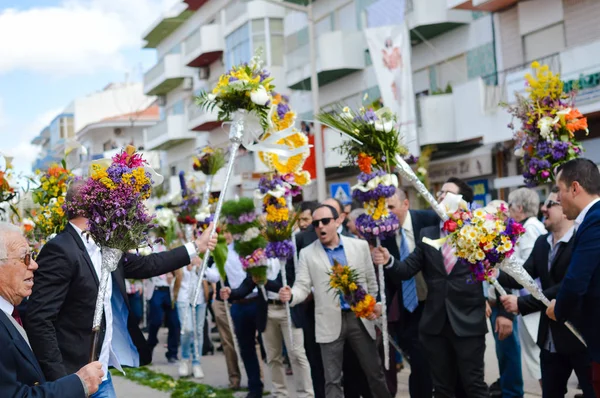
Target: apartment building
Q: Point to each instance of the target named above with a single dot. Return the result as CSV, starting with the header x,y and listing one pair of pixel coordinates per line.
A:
x,y
51,139
195,43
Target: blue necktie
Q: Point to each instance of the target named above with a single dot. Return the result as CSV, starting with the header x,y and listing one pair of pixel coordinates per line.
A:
x,y
409,287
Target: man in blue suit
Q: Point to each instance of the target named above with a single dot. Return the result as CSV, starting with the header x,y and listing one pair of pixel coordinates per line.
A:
x,y
579,195
20,373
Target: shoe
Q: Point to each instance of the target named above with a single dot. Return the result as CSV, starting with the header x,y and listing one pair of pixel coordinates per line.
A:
x,y
495,389
254,395
234,386
288,371
184,368
197,371
214,330
172,360
578,395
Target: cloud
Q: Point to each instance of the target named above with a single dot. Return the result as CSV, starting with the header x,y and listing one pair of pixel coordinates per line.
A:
x,y
75,37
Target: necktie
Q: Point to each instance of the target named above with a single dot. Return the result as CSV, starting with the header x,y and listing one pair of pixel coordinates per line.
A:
x,y
17,317
409,287
449,257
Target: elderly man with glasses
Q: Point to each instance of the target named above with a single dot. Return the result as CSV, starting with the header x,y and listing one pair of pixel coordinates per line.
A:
x,y
20,373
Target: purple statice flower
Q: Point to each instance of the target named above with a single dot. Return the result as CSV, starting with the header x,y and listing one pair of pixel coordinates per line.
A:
x,y
386,191
282,250
282,109
559,150
370,228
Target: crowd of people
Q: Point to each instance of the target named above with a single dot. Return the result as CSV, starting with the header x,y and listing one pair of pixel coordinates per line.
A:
x,y
437,319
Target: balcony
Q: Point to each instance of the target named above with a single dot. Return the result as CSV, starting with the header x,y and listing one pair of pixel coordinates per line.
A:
x,y
166,25
338,54
428,19
204,46
194,5
481,5
167,74
201,120
167,133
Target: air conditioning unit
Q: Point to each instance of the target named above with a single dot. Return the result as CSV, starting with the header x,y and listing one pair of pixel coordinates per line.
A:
x,y
118,131
161,100
204,73
187,84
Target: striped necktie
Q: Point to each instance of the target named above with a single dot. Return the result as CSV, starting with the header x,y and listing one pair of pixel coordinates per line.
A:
x,y
409,287
449,257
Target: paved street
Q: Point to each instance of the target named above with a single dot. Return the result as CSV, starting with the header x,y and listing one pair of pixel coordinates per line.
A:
x,y
216,374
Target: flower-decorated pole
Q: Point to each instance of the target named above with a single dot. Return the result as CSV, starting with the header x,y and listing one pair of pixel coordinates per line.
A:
x,y
384,323
283,263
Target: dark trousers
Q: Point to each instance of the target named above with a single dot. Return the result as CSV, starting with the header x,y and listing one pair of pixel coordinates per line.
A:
x,y
244,322
160,306
508,352
557,368
136,303
391,374
450,357
313,351
354,333
596,377
419,381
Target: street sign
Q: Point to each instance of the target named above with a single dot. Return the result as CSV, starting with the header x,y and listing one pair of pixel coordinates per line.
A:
x,y
341,192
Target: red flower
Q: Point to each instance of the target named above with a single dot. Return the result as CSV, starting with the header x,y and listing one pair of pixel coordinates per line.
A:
x,y
450,226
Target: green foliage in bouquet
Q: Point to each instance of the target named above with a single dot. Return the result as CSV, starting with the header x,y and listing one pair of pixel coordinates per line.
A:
x,y
220,255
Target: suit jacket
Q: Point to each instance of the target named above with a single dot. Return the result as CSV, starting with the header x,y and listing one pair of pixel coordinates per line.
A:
x,y
20,373
450,298
580,289
313,271
537,266
419,220
61,308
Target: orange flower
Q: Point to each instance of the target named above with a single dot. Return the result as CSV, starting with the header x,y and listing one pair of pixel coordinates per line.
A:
x,y
576,121
365,162
56,171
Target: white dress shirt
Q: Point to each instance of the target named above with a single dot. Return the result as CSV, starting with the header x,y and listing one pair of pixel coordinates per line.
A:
x,y
6,306
272,273
583,213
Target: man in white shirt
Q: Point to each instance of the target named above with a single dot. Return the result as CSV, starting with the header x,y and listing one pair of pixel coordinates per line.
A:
x,y
61,307
20,374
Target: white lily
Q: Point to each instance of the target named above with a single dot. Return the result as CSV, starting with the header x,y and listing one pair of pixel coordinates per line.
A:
x,y
212,97
203,214
422,170
385,126
260,96
453,202
278,192
545,125
386,179
519,152
562,113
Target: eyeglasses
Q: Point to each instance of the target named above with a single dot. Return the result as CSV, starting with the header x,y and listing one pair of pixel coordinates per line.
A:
x,y
26,258
551,203
324,221
441,193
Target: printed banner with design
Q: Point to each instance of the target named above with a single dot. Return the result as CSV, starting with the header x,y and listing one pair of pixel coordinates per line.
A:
x,y
389,47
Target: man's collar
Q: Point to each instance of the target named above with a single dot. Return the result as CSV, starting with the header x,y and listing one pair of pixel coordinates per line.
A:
x,y
584,212
340,245
565,238
87,241
407,225
6,306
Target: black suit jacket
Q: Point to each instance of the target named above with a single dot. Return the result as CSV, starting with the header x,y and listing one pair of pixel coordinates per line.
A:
x,y
450,298
537,266
20,373
419,219
261,314
60,310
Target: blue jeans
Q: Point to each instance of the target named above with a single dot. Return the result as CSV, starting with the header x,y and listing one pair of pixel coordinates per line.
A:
x,y
187,340
244,321
508,352
160,305
106,389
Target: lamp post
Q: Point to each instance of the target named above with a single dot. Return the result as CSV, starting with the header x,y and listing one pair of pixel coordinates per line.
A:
x,y
314,88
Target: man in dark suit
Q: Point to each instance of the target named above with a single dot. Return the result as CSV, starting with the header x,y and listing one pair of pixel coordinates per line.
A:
x,y
271,320
405,302
61,307
578,298
453,323
20,373
561,352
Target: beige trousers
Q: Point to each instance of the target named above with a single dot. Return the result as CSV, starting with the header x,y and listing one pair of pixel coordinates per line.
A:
x,y
276,329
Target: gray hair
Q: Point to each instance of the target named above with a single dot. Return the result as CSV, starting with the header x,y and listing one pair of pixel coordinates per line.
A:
x,y
354,214
5,230
528,199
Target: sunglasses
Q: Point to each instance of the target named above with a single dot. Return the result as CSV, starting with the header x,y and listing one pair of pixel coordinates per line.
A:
x,y
26,258
550,203
324,221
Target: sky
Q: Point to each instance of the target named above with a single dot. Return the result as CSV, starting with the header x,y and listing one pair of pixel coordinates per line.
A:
x,y
53,51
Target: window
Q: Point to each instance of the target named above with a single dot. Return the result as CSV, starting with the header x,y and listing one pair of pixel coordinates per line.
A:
x,y
323,26
259,38
345,17
544,42
277,41
238,46
178,108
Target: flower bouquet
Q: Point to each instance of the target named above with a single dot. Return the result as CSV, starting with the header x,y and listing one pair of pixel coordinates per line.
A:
x,y
549,121
345,281
188,209
482,240
249,242
112,200
245,87
7,190
165,223
209,162
374,146
50,218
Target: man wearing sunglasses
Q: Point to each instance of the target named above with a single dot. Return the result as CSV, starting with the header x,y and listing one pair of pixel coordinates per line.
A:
x,y
20,374
561,352
336,324
61,307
